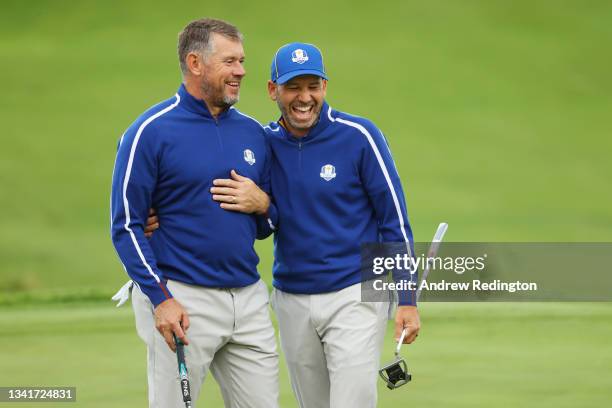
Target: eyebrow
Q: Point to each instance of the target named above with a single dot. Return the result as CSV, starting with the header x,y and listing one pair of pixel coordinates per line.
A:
x,y
226,55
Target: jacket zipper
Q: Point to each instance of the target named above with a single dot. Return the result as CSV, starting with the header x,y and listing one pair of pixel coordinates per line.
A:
x,y
300,155
218,134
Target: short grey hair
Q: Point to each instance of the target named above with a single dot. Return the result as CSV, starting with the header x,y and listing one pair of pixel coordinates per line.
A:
x,y
196,37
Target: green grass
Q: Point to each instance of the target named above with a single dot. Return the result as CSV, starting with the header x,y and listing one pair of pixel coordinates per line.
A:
x,y
497,113
468,355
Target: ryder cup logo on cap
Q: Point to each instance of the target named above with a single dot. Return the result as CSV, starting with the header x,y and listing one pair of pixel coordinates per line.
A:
x,y
296,59
299,56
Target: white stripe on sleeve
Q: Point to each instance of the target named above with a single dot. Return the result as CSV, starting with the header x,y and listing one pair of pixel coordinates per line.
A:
x,y
126,180
383,167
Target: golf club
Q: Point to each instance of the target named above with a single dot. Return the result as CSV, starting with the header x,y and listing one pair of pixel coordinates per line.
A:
x,y
395,374
182,369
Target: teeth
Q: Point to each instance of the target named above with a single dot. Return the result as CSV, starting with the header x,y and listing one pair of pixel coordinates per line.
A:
x,y
303,108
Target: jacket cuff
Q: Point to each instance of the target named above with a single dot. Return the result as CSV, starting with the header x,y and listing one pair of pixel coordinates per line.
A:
x,y
157,292
272,216
406,298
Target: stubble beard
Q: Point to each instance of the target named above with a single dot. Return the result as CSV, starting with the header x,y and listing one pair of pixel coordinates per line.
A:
x,y
217,97
285,111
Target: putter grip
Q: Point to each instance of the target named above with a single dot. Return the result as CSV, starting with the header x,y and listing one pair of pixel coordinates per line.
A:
x,y
180,350
182,368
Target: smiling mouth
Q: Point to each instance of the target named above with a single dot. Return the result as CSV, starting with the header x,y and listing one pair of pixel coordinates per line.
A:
x,y
302,111
233,84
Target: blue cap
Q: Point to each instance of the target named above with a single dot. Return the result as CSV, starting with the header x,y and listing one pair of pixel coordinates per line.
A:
x,y
296,59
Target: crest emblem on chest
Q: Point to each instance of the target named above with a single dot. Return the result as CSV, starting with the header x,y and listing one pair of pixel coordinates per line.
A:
x,y
249,156
328,172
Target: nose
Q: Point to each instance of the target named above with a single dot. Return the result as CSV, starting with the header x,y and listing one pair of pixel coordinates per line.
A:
x,y
304,95
239,70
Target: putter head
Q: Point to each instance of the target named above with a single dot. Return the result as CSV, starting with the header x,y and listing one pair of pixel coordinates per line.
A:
x,y
395,374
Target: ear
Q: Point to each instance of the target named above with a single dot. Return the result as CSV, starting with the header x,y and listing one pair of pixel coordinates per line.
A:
x,y
194,64
324,87
272,87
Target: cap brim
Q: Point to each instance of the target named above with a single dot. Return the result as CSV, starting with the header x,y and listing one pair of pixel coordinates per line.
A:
x,y
289,75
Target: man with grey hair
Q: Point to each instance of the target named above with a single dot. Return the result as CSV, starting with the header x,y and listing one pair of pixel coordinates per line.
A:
x,y
196,279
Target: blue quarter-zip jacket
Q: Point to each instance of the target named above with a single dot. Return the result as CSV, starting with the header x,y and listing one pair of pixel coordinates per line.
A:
x,y
167,160
334,189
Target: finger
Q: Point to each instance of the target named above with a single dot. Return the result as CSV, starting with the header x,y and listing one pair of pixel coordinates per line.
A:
x,y
168,338
225,198
223,190
233,207
148,234
152,211
178,330
152,219
151,227
185,322
412,333
410,337
237,176
225,183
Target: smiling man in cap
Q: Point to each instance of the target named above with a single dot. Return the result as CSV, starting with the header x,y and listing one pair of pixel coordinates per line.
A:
x,y
335,187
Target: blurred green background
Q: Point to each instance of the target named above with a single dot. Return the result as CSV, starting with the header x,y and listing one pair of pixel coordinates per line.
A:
x,y
497,112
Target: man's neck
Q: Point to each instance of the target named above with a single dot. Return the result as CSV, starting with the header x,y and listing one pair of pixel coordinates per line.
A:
x,y
196,91
299,133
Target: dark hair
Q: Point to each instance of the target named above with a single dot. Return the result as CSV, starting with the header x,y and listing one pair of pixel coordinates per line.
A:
x,y
196,37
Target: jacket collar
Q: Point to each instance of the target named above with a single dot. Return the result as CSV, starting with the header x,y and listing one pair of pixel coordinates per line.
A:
x,y
198,106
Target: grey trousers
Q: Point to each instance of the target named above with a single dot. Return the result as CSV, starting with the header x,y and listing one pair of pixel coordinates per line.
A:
x,y
332,344
230,333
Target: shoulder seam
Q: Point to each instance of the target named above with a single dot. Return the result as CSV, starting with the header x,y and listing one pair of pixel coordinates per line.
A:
x,y
247,116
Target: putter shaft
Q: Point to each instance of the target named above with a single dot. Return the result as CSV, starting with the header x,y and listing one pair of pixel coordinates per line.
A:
x,y
400,342
396,373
